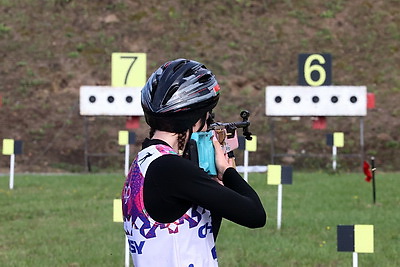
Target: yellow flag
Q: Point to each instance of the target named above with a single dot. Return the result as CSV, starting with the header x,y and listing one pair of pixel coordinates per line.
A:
x,y
8,146
117,213
338,139
274,174
363,238
251,145
123,138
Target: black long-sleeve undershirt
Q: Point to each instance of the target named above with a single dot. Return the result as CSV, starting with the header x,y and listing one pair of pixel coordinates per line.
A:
x,y
173,184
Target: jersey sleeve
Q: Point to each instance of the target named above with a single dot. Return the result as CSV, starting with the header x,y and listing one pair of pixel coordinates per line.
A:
x,y
173,184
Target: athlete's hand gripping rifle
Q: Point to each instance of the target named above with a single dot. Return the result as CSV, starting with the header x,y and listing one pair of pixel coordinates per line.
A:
x,y
201,146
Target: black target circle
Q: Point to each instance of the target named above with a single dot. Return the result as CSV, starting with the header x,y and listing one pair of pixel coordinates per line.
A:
x,y
353,99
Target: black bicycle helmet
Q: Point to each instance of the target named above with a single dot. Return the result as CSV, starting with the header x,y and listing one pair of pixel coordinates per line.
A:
x,y
178,94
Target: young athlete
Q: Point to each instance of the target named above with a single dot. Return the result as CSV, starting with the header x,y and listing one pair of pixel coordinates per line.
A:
x,y
172,209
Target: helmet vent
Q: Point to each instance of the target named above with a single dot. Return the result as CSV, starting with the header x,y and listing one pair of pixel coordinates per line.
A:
x,y
205,78
180,64
153,88
189,72
170,93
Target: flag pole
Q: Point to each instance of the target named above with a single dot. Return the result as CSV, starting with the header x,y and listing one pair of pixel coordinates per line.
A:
x,y
334,155
126,252
12,166
373,178
126,175
126,159
246,165
279,208
355,259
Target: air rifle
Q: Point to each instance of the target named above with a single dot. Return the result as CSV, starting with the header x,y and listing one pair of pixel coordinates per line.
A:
x,y
201,148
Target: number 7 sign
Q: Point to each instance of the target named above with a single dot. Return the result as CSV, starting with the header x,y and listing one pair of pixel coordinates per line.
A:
x,y
128,69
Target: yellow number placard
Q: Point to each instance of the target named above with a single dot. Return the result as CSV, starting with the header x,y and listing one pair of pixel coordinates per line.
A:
x,y
128,69
308,69
315,69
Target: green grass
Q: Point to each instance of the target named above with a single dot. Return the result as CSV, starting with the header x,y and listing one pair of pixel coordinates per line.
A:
x,y
312,208
61,220
66,220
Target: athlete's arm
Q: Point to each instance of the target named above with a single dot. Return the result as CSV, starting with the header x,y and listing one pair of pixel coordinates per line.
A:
x,y
174,184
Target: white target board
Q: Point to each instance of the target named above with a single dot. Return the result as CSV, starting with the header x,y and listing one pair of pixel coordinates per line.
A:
x,y
110,101
316,101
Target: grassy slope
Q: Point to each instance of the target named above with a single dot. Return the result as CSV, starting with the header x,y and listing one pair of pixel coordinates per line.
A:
x,y
50,48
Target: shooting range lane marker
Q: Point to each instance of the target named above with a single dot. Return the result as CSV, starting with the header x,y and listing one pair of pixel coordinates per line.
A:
x,y
356,238
8,149
250,146
278,175
126,138
335,140
12,147
8,146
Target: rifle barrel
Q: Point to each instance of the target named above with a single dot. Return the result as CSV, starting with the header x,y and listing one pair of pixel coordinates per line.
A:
x,y
229,125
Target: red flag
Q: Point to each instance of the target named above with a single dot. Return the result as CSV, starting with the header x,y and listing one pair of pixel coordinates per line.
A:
x,y
367,172
319,123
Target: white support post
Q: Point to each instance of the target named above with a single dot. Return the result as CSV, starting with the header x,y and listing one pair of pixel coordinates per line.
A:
x,y
127,255
126,159
355,259
12,163
334,155
246,165
279,208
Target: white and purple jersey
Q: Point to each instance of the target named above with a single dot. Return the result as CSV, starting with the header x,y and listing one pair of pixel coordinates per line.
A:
x,y
186,242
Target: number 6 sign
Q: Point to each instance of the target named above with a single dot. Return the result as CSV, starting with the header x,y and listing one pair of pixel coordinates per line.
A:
x,y
128,69
315,69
